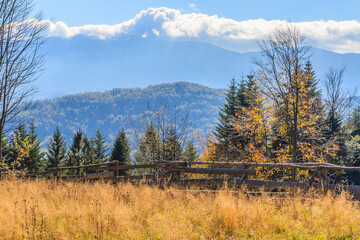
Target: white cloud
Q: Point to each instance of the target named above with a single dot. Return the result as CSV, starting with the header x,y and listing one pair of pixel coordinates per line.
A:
x,y
339,36
156,32
193,6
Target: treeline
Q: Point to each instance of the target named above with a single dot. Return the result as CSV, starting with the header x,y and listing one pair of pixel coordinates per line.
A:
x,y
22,151
279,114
111,109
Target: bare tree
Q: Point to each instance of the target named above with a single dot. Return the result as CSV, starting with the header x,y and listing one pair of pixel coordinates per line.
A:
x,y
166,121
337,100
21,36
283,56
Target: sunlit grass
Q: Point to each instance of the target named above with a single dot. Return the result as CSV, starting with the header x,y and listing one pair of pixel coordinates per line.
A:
x,y
50,210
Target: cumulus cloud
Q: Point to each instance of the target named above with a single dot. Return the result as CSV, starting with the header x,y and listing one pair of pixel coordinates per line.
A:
x,y
339,36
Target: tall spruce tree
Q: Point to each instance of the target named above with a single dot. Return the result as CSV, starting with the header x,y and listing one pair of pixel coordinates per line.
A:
x,y
75,150
121,150
224,127
230,141
57,150
36,156
224,130
99,146
88,156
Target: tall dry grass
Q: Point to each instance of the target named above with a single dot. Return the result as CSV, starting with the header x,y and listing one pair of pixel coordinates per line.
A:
x,y
49,210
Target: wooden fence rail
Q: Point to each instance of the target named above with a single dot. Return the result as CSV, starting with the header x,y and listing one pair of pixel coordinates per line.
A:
x,y
235,173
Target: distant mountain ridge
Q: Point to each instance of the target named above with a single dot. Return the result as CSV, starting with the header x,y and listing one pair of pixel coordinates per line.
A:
x,y
88,64
109,110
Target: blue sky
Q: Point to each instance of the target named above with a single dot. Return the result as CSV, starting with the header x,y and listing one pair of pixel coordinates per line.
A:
x,y
235,25
82,12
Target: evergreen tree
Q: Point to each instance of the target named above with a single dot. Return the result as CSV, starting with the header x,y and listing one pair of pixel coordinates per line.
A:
x,y
312,83
121,150
25,148
353,124
149,149
172,147
352,130
5,148
19,148
225,132
99,147
88,156
230,141
224,127
75,151
35,159
190,154
56,151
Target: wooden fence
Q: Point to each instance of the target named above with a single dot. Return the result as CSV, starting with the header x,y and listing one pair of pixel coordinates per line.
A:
x,y
232,173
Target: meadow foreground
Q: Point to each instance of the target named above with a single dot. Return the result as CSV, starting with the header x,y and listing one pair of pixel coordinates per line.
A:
x,y
48,210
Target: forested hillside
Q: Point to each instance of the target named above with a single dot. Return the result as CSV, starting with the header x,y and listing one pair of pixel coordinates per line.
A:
x,y
109,110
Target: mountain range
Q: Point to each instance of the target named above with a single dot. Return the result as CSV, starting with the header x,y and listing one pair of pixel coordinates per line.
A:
x,y
120,108
113,110
87,64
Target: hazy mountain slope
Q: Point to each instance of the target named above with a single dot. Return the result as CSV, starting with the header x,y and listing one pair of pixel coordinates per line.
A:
x,y
83,64
109,110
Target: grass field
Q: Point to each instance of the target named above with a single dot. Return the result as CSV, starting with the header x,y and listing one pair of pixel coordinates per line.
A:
x,y
49,210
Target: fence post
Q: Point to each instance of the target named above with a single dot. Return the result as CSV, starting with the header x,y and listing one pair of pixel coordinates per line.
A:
x,y
116,171
58,172
324,180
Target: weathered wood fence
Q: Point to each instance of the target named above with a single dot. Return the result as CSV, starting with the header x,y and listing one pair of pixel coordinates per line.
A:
x,y
234,174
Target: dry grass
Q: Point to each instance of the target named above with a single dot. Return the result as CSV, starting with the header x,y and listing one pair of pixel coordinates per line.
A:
x,y
48,210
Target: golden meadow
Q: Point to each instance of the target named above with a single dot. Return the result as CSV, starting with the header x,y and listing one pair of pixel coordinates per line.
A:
x,y
40,209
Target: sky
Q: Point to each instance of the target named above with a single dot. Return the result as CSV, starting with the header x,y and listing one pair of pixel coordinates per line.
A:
x,y
232,24
83,12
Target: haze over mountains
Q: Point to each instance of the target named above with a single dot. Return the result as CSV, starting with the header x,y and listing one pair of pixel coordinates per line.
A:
x,y
86,64
195,55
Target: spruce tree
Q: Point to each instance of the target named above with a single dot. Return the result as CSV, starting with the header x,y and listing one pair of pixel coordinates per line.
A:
x,y
18,147
99,147
190,154
230,141
224,130
172,147
352,129
224,127
88,156
35,159
56,151
121,150
75,151
353,123
149,149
